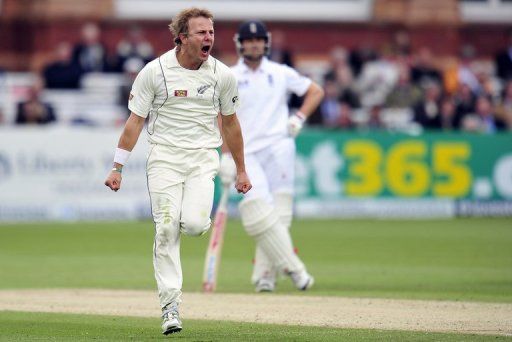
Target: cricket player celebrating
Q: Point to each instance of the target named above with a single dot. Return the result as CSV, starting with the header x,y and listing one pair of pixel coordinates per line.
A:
x,y
269,134
181,93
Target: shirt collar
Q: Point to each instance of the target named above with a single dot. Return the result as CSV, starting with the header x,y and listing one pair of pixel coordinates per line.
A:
x,y
262,68
172,60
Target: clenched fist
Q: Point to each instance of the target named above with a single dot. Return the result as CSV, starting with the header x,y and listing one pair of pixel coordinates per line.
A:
x,y
113,180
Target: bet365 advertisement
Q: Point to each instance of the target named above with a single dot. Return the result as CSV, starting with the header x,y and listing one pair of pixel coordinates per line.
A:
x,y
378,173
57,173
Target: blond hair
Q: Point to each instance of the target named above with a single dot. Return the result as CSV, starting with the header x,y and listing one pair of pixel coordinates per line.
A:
x,y
179,24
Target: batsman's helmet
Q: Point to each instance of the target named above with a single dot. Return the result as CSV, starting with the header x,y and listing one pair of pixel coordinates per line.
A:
x,y
252,29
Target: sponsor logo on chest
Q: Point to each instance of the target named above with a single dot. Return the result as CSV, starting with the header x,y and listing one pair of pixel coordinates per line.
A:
x,y
180,93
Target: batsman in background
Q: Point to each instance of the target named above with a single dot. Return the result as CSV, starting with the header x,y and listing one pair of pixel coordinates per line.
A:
x,y
269,147
181,92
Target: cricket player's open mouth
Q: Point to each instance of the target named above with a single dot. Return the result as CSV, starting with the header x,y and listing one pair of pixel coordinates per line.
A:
x,y
205,50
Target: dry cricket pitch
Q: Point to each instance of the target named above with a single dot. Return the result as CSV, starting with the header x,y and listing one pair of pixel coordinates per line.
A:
x,y
364,313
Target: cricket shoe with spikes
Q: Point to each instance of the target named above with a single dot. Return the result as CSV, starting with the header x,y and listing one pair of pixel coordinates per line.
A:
x,y
302,280
171,320
265,285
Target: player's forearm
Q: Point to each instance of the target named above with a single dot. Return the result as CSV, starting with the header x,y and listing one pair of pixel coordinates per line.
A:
x,y
130,135
131,132
312,99
233,140
224,147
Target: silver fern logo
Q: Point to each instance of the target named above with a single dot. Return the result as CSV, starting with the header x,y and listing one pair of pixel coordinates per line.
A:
x,y
202,89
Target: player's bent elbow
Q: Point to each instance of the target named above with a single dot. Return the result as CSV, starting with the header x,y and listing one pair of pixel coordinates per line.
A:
x,y
317,90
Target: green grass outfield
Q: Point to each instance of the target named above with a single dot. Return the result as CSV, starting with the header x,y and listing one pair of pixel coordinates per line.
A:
x,y
18,326
462,259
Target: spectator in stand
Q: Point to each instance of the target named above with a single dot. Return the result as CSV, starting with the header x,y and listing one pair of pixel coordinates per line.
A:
x,y
328,112
424,69
377,80
339,117
465,71
490,87
132,67
345,82
504,109
360,56
339,99
464,100
279,52
401,43
338,60
484,120
339,78
504,61
448,114
34,110
427,112
134,45
62,73
405,94
374,121
90,54
345,119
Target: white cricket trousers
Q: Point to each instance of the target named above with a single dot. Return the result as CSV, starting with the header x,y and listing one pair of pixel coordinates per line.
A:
x,y
181,186
271,170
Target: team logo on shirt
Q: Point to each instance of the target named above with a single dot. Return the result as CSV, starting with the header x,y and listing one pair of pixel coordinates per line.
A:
x,y
234,99
202,89
180,93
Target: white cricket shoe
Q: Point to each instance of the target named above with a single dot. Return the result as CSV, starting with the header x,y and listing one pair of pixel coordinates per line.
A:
x,y
302,280
265,285
171,320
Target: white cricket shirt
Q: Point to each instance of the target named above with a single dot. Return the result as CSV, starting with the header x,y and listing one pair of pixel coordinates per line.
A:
x,y
263,111
183,104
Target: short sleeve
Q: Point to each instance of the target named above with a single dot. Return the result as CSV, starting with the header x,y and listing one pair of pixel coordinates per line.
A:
x,y
295,82
229,100
142,93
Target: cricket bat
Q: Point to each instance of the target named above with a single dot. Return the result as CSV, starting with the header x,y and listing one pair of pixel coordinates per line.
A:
x,y
214,251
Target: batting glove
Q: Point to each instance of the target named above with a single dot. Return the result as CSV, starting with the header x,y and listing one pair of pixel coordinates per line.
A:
x,y
227,170
295,124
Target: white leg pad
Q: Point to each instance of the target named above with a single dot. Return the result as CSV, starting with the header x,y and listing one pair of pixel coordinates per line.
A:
x,y
262,223
277,244
283,202
263,267
257,216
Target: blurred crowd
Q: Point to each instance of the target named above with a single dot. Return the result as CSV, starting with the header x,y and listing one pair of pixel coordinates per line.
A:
x,y
70,63
396,88
391,87
90,55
